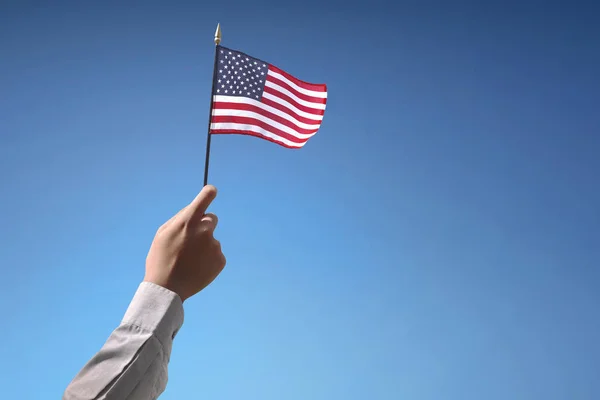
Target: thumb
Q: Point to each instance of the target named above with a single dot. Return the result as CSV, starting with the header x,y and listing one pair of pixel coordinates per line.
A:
x,y
200,204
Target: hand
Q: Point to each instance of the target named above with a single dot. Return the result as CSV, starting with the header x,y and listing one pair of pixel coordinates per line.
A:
x,y
184,256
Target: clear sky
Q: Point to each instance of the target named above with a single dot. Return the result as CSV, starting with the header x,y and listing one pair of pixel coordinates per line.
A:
x,y
439,238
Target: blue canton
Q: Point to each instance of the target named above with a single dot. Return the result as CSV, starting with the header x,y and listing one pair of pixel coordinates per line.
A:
x,y
239,74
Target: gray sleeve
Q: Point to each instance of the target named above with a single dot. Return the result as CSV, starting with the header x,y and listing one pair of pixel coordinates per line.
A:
x,y
132,364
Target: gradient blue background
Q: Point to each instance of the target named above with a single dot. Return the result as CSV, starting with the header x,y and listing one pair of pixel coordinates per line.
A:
x,y
439,238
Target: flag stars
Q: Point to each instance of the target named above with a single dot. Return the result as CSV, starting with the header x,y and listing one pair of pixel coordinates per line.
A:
x,y
240,75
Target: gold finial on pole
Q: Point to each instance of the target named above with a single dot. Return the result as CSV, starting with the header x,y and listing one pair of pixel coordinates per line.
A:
x,y
218,35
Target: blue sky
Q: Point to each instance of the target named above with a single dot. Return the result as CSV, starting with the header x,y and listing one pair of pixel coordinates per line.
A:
x,y
439,238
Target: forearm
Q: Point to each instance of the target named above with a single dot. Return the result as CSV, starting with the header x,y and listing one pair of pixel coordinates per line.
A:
x,y
133,362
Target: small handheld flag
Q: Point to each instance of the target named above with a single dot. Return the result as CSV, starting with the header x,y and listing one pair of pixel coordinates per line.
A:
x,y
253,97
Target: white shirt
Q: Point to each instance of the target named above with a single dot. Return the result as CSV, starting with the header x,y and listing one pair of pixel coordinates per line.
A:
x,y
133,363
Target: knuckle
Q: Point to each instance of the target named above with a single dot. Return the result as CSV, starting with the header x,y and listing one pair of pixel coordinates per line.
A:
x,y
181,223
175,226
205,230
162,228
221,260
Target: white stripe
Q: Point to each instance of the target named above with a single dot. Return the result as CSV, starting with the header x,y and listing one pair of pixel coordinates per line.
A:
x,y
274,124
305,103
291,107
226,126
312,93
252,102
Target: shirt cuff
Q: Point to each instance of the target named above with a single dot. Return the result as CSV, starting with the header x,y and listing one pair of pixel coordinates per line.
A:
x,y
157,310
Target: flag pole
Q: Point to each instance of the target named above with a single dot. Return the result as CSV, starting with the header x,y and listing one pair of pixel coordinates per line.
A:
x,y
212,90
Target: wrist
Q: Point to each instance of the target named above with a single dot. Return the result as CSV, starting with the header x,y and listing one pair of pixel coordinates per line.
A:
x,y
163,283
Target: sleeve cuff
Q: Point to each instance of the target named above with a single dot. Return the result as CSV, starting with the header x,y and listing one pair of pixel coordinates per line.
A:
x,y
157,310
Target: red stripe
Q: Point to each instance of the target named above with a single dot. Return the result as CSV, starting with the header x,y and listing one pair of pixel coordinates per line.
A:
x,y
274,117
249,133
310,86
286,110
293,102
300,95
256,122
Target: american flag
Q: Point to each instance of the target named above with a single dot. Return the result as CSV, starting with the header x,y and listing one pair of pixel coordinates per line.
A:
x,y
253,97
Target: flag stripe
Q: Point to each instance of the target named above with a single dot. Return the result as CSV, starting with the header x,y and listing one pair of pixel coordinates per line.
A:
x,y
296,88
225,128
284,100
261,123
244,103
272,81
245,110
302,84
286,107
274,88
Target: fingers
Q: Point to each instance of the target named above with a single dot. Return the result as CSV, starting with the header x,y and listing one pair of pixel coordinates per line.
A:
x,y
196,210
200,204
222,259
210,221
